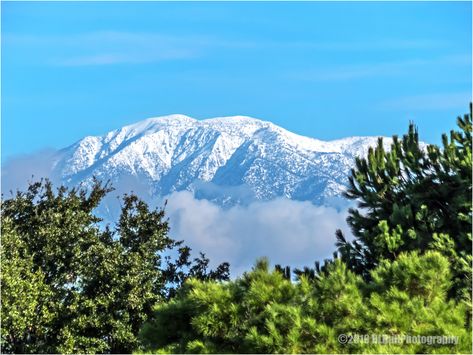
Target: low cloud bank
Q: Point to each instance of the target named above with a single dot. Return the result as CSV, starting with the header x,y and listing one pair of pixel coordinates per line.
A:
x,y
18,171
288,232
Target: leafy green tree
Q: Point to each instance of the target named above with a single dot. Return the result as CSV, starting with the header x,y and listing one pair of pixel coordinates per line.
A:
x,y
25,309
69,285
413,198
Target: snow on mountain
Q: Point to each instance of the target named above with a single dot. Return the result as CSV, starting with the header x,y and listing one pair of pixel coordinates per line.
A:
x,y
228,160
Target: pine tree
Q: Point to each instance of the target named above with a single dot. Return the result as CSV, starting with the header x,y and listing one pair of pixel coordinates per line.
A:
x,y
413,198
263,312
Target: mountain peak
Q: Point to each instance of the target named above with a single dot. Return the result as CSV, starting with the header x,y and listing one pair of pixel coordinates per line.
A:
x,y
167,120
175,117
234,119
223,123
216,158
153,124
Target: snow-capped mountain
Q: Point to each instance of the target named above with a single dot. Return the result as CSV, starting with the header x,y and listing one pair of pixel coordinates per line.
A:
x,y
228,160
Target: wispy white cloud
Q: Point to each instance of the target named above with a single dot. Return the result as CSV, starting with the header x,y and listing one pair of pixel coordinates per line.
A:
x,y
110,47
435,101
351,72
128,58
288,232
18,171
376,69
119,47
387,44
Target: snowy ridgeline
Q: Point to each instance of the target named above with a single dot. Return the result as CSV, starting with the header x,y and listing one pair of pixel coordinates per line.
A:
x,y
227,160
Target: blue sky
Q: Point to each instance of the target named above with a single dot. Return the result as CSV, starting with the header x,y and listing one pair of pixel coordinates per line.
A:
x,y
325,70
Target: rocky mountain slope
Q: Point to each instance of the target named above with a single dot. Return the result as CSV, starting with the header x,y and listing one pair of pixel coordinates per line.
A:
x,y
228,160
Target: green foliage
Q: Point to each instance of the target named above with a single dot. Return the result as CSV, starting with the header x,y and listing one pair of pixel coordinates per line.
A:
x,y
410,255
263,312
25,307
69,286
412,198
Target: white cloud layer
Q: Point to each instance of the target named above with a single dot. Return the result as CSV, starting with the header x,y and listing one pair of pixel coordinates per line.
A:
x,y
288,232
18,171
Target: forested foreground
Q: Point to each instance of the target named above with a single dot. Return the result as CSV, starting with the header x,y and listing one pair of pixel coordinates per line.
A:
x,y
70,285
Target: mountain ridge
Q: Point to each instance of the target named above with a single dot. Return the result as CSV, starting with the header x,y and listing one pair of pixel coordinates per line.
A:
x,y
177,152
